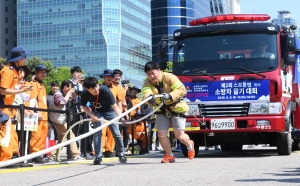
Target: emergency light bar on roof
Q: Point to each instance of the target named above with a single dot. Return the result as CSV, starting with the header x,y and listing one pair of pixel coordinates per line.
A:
x,y
229,18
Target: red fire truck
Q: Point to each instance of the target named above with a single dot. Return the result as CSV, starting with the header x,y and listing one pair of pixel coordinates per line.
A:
x,y
241,76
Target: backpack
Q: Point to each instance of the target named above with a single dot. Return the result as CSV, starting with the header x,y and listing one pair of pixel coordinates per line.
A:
x,y
57,118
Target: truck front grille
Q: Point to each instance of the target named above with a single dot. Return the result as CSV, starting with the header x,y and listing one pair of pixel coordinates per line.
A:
x,y
224,110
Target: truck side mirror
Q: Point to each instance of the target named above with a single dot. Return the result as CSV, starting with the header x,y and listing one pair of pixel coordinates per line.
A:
x,y
292,60
162,49
173,44
291,42
162,63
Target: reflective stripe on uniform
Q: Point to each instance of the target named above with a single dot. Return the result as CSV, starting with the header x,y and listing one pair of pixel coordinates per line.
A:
x,y
145,89
176,86
186,129
181,110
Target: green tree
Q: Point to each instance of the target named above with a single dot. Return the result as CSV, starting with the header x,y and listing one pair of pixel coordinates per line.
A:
x,y
100,81
2,59
31,63
169,66
56,74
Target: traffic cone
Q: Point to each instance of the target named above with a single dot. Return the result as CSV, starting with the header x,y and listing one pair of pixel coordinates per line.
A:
x,y
50,141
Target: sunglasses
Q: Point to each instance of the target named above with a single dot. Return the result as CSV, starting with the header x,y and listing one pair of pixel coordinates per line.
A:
x,y
262,44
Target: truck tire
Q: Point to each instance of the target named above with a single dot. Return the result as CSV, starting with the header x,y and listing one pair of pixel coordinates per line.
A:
x,y
185,151
225,147
284,144
295,145
237,147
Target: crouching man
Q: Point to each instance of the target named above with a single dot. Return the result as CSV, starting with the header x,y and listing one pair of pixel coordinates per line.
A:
x,y
103,105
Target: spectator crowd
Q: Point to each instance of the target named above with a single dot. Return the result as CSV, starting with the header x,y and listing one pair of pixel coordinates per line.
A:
x,y
81,97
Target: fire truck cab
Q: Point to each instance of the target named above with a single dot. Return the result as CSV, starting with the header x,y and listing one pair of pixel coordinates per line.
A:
x,y
241,76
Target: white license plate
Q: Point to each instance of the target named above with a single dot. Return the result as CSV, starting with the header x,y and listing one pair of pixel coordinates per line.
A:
x,y
222,124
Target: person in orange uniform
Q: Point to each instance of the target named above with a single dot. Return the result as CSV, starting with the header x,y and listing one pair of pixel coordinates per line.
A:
x,y
115,81
108,147
38,100
23,98
9,80
139,133
135,100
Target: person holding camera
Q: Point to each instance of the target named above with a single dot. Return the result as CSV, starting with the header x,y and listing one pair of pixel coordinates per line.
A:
x,y
9,80
75,108
61,100
103,106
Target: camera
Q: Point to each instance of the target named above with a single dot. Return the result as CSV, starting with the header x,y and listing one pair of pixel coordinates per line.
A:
x,y
125,82
14,120
78,92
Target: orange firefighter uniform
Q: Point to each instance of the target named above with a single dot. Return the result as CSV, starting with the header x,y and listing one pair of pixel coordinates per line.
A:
x,y
119,95
135,101
38,138
139,128
9,80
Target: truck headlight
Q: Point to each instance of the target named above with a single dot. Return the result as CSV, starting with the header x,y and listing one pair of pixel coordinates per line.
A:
x,y
265,108
275,108
193,110
259,108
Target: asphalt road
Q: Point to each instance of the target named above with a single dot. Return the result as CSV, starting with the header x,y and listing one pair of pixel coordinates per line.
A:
x,y
253,166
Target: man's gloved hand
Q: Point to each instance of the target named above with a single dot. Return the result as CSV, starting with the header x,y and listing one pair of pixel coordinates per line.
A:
x,y
166,96
151,101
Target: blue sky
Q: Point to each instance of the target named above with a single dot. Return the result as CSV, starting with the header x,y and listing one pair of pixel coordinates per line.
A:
x,y
271,7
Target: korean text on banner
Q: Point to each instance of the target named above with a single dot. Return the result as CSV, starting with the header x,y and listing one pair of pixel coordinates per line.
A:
x,y
31,122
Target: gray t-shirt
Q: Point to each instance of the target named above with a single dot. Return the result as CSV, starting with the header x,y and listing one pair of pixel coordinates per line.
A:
x,y
266,55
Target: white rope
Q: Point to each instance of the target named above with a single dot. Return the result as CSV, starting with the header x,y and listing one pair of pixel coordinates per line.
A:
x,y
103,120
60,145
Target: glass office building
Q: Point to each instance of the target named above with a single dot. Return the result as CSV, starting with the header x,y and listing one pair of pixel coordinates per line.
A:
x,y
8,25
285,18
169,15
93,34
218,7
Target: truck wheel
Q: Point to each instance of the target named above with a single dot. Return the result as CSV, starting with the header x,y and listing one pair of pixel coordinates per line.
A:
x,y
295,145
284,144
185,151
237,147
196,147
225,148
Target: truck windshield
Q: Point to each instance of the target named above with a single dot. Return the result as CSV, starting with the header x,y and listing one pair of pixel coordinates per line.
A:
x,y
225,54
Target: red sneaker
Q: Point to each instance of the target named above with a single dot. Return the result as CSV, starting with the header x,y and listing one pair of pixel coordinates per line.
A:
x,y
191,153
168,159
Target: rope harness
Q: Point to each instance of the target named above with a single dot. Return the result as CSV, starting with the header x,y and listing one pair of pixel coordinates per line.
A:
x,y
165,107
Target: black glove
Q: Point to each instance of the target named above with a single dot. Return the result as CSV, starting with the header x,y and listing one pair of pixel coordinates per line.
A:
x,y
166,96
152,100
